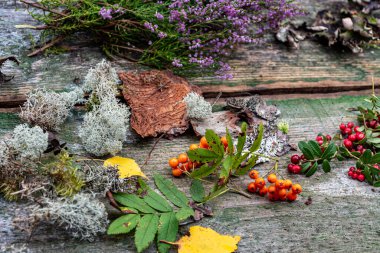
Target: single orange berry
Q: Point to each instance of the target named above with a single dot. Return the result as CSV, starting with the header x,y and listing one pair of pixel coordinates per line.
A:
x,y
288,184
204,142
182,158
177,172
291,196
224,141
281,193
280,184
272,197
260,182
272,178
251,187
263,191
272,189
190,165
193,146
297,188
254,174
173,163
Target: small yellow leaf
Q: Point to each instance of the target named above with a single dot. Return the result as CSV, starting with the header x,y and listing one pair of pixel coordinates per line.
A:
x,y
127,166
206,240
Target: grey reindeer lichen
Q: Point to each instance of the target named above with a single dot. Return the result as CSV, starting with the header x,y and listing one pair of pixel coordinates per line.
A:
x,y
197,107
104,129
28,142
49,109
83,216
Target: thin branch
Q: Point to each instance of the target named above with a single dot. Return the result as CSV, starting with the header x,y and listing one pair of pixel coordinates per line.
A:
x,y
38,6
154,146
48,45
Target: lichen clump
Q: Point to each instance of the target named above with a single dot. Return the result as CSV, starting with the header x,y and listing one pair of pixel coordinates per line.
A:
x,y
197,107
29,143
49,109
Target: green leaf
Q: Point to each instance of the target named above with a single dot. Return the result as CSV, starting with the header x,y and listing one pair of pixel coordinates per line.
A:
x,y
306,150
170,191
214,142
305,167
375,159
340,158
312,170
197,190
156,201
230,149
326,166
167,231
146,231
237,161
373,140
131,200
184,213
315,148
124,224
204,171
216,192
366,157
329,152
367,174
226,167
257,143
250,164
376,184
202,155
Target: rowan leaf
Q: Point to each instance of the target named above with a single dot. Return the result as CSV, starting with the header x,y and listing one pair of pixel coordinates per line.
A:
x,y
230,142
226,167
202,155
257,143
167,231
170,191
146,231
184,213
206,240
124,224
131,200
214,142
197,190
127,167
157,202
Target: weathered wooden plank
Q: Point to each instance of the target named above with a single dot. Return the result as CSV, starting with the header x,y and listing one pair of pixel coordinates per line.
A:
x,y
269,69
343,215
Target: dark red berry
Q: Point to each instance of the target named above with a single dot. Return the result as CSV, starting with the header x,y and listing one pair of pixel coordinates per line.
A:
x,y
354,175
328,137
361,177
352,137
290,167
350,124
356,129
347,143
342,127
350,173
303,157
359,171
320,142
352,169
373,123
295,159
376,166
347,131
360,136
359,148
296,169
319,138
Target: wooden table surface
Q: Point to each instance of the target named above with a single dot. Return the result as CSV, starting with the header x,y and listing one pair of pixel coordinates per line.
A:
x,y
313,87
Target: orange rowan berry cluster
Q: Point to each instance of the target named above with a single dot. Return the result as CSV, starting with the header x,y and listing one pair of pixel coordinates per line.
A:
x,y
277,190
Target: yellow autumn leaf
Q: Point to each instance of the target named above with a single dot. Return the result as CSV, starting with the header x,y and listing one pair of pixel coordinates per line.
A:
x,y
206,240
127,166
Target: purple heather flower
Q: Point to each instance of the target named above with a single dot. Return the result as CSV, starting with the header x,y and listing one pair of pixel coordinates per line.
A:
x,y
159,16
105,13
162,35
150,26
177,63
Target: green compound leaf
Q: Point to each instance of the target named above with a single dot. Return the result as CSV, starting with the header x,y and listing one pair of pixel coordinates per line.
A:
x,y
167,231
123,224
230,142
155,200
170,191
184,213
146,231
202,155
131,200
256,144
214,142
197,190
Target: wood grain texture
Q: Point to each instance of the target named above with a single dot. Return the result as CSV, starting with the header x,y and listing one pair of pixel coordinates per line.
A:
x,y
269,69
343,215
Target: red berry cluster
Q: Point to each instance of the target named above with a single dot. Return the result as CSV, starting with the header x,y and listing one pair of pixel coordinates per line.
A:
x,y
355,173
294,167
352,135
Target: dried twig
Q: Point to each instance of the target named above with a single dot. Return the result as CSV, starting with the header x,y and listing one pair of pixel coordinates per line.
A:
x,y
154,146
48,45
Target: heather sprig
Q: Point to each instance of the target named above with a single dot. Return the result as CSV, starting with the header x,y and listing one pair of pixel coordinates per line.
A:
x,y
172,34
